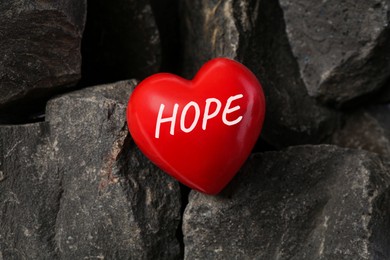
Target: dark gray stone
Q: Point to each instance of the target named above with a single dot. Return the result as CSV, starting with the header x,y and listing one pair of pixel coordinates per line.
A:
x,y
115,204
209,30
341,46
121,41
366,129
307,202
253,32
29,192
76,186
40,47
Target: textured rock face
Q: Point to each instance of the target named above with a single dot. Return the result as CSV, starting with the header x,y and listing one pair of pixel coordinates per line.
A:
x,y
75,186
366,129
209,31
119,206
241,30
308,202
40,47
121,41
29,192
79,187
341,46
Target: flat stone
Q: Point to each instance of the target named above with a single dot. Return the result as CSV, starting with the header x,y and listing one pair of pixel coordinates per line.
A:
x,y
341,46
306,202
40,48
366,129
241,30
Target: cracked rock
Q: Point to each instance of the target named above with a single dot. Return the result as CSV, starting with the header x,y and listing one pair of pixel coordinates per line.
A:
x,y
40,47
76,186
307,202
366,129
240,30
341,46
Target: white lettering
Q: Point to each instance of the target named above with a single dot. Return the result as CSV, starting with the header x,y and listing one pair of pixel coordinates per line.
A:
x,y
206,115
164,120
228,110
183,116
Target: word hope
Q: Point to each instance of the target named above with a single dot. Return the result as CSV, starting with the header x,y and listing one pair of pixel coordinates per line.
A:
x,y
206,115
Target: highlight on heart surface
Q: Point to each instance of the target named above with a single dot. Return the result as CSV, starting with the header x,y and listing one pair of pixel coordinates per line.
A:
x,y
199,131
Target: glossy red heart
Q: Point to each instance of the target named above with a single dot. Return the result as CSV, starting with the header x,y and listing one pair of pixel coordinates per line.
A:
x,y
199,131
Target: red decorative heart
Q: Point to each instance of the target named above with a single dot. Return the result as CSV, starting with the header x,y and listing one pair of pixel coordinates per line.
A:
x,y
199,131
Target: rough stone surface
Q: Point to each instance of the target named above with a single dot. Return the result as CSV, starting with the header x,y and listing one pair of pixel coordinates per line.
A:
x,y
76,187
366,129
115,203
121,41
40,47
307,202
241,30
209,30
341,46
29,192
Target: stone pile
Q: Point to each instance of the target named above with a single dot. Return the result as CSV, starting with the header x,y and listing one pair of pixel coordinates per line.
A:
x,y
73,185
